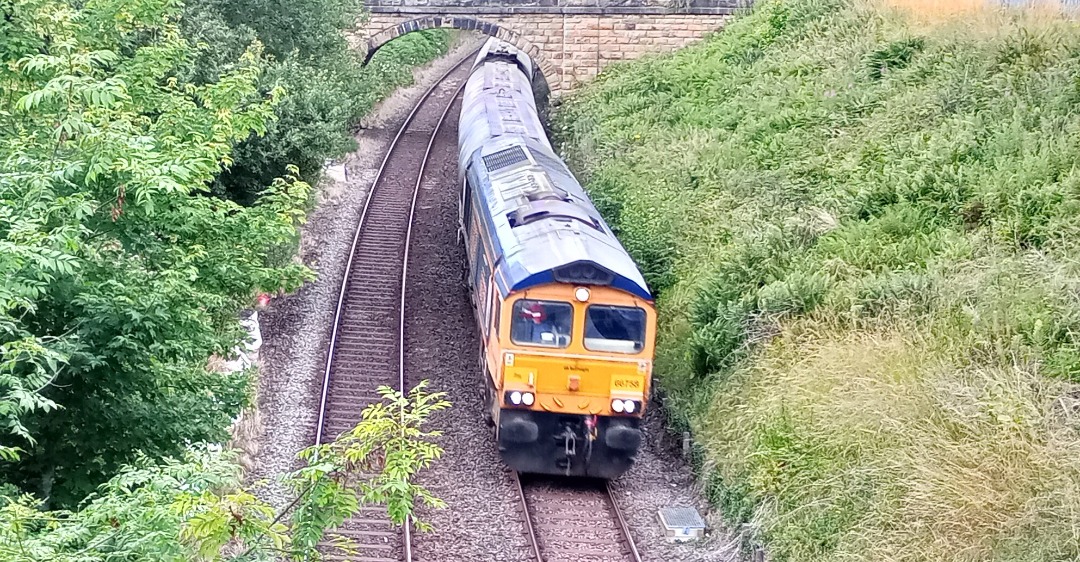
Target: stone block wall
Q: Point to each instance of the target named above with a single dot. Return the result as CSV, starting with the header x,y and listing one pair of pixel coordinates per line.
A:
x,y
570,44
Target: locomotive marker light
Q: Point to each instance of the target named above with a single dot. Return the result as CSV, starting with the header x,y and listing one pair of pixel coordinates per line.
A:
x,y
581,294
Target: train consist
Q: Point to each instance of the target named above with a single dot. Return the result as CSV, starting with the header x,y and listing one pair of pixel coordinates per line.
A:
x,y
566,321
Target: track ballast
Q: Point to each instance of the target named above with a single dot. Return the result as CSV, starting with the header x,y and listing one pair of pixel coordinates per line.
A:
x,y
574,521
366,349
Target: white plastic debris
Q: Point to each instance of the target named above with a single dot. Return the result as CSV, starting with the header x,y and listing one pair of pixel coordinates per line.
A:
x,y
247,353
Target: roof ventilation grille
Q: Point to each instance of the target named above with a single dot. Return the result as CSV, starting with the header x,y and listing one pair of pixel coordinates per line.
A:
x,y
504,158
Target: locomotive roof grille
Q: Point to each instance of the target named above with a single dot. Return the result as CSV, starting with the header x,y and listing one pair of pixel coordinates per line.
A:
x,y
504,158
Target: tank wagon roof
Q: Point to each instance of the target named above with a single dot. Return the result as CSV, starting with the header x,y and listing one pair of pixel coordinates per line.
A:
x,y
498,101
542,224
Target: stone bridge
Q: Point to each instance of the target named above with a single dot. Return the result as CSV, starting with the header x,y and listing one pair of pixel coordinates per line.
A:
x,y
570,40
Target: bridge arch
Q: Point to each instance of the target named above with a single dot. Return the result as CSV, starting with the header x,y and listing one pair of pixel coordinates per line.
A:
x,y
465,23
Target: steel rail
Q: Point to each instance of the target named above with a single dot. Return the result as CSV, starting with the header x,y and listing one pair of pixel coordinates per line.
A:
x,y
339,309
405,276
528,518
636,556
349,265
617,519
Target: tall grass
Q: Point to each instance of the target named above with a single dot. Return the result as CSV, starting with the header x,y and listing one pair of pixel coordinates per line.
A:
x,y
863,222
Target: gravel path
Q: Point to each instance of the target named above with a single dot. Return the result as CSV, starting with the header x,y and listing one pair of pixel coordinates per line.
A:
x,y
296,328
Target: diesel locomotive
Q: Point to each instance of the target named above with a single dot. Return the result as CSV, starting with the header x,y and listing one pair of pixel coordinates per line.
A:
x,y
566,321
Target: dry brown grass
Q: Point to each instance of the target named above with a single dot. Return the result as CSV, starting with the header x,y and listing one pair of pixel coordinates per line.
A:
x,y
941,8
983,11
245,433
967,462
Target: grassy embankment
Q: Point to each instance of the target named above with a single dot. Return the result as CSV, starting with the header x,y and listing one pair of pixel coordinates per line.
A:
x,y
864,228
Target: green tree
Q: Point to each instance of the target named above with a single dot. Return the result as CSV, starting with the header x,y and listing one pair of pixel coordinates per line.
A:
x,y
122,276
194,509
326,90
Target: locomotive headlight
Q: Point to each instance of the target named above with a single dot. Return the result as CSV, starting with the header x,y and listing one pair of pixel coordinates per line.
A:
x,y
618,406
629,406
519,398
624,406
581,294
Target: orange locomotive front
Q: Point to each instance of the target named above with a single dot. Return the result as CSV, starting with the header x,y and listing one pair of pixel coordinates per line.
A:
x,y
568,396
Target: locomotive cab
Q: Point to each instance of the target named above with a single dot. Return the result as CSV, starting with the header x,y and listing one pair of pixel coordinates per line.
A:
x,y
574,363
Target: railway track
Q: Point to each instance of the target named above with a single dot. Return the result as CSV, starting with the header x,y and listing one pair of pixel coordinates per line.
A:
x,y
574,521
366,346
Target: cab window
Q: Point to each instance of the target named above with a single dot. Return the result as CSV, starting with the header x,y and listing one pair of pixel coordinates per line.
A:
x,y
617,329
541,323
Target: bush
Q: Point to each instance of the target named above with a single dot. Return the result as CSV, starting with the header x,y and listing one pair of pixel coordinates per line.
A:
x,y
862,226
122,275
